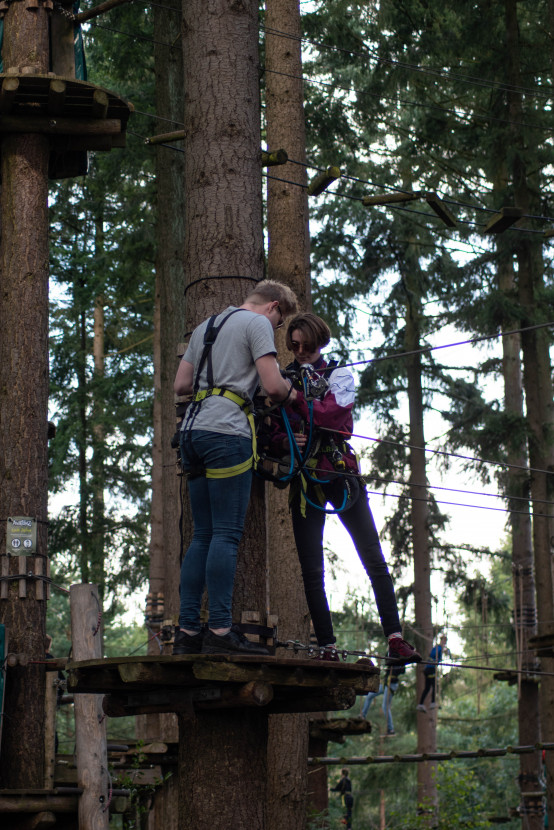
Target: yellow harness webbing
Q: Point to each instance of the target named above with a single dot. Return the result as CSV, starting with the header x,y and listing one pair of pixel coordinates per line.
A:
x,y
244,466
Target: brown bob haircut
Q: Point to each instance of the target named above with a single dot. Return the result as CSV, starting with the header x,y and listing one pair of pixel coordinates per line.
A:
x,y
315,330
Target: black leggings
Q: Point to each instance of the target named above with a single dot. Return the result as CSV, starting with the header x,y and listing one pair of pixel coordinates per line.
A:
x,y
308,535
429,687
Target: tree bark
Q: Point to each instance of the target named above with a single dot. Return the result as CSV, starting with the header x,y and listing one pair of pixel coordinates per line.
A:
x,y
97,535
222,769
24,397
537,382
168,331
289,262
426,721
525,613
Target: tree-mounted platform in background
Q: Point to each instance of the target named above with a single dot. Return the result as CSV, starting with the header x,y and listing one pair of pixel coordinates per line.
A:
x,y
335,729
190,683
76,115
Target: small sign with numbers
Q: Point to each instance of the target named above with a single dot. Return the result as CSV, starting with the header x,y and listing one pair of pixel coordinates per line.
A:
x,y
21,536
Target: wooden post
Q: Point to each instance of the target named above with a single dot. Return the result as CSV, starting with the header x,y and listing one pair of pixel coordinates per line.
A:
x,y
50,731
90,728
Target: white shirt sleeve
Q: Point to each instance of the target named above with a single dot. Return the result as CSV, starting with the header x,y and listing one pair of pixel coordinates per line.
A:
x,y
341,384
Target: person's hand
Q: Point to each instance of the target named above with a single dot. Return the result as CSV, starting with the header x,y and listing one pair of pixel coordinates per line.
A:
x,y
300,438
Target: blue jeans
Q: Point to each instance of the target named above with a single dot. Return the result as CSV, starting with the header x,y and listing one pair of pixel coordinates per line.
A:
x,y
388,694
218,511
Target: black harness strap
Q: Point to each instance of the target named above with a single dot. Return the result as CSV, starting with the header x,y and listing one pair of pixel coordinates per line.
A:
x,y
210,336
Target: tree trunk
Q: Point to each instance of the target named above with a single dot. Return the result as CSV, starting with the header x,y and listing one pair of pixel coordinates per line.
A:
x,y
169,319
525,612
97,535
24,397
288,262
426,721
222,769
537,383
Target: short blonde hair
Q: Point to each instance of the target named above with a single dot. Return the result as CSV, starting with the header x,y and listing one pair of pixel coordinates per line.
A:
x,y
315,330
267,291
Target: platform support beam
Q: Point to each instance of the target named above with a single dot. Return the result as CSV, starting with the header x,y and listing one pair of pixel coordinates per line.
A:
x,y
90,724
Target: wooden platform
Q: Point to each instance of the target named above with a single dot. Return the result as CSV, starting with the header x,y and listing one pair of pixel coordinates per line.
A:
x,y
76,115
187,683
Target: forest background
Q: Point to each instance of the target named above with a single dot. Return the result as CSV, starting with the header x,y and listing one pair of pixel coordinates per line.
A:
x,y
402,97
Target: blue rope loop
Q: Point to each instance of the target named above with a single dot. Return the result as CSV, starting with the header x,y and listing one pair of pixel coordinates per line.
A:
x,y
302,459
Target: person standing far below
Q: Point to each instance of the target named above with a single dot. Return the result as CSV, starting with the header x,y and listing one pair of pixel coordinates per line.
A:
x,y
430,672
325,425
222,369
344,787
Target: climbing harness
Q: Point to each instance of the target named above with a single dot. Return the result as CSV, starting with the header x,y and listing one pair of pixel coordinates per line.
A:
x,y
302,464
201,395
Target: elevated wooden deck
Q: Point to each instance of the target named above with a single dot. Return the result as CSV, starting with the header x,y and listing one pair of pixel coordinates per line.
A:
x,y
187,683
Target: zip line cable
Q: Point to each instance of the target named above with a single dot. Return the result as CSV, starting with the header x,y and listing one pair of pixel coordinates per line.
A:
x,y
471,341
470,118
297,646
399,207
478,460
471,79
334,86
392,188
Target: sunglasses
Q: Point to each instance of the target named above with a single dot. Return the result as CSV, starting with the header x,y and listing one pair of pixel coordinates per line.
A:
x,y
281,322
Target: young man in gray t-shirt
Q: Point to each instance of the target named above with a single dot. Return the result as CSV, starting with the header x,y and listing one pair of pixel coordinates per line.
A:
x,y
216,434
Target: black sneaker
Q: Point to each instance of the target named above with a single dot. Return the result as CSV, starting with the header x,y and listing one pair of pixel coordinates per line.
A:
x,y
234,642
187,643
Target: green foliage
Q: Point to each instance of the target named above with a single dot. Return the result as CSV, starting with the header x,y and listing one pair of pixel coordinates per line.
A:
x,y
459,802
102,255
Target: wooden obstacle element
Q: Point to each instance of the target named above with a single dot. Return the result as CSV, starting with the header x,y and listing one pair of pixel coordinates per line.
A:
x,y
206,682
420,757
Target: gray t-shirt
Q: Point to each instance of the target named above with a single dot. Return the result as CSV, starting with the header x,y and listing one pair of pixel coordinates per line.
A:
x,y
244,338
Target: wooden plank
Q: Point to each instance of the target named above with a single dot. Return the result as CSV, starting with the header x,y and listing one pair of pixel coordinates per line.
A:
x,y
39,584
56,95
99,104
10,86
22,561
59,126
390,198
318,675
156,675
5,572
17,804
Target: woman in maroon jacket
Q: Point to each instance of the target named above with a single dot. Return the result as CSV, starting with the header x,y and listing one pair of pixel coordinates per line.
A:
x,y
321,419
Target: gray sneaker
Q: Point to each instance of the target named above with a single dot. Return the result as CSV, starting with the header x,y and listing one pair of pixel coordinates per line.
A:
x,y
234,642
